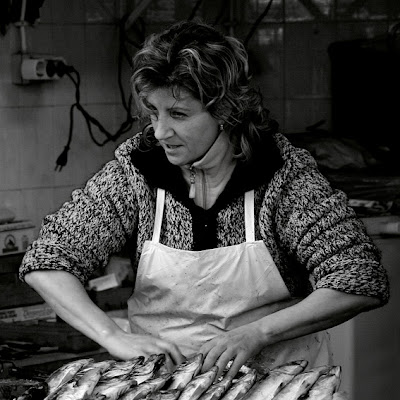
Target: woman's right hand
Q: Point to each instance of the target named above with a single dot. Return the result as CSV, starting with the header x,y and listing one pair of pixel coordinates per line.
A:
x,y
69,299
124,346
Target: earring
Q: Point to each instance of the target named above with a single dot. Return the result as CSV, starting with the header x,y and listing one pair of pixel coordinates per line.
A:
x,y
221,127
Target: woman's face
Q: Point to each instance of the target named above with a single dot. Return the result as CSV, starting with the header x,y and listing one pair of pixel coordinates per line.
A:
x,y
182,126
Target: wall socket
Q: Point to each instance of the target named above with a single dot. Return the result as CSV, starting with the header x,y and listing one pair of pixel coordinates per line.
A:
x,y
29,68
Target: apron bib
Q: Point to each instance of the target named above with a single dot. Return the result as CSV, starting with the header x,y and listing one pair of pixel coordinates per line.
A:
x,y
189,297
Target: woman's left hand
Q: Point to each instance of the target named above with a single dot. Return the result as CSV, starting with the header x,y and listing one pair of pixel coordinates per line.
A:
x,y
237,345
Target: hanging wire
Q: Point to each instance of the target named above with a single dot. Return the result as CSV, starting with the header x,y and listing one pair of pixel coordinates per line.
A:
x,y
256,23
92,122
194,10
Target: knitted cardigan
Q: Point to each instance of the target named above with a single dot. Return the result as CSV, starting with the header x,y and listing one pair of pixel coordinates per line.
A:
x,y
314,237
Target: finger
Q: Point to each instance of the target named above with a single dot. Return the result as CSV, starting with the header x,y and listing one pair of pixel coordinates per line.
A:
x,y
238,361
222,362
210,359
172,352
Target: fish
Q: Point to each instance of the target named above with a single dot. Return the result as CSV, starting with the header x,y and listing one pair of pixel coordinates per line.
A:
x,y
326,385
198,385
112,389
122,369
185,372
241,386
79,389
148,369
103,366
268,386
142,390
301,383
64,374
170,394
217,390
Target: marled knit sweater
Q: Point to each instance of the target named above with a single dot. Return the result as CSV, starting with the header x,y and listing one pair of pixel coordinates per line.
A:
x,y
314,237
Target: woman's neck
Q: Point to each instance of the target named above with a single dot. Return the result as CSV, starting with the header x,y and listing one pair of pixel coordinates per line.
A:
x,y
207,177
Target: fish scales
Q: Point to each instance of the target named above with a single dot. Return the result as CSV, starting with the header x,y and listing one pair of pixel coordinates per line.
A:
x,y
122,369
64,374
241,386
185,372
326,385
145,388
300,384
217,390
111,390
148,369
275,380
170,394
198,385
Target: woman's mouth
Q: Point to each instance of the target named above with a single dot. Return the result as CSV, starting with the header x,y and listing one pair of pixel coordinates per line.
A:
x,y
171,146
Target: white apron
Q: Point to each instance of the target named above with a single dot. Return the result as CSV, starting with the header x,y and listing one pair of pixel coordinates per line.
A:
x,y
189,297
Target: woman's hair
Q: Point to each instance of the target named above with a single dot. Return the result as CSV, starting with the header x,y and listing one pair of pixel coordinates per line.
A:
x,y
213,68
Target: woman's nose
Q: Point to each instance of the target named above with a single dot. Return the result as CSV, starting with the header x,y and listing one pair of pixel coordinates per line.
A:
x,y
162,129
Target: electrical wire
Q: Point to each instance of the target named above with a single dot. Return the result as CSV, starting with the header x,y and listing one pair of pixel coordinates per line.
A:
x,y
92,122
256,23
194,10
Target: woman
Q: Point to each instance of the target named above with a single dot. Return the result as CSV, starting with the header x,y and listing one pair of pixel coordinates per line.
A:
x,y
244,251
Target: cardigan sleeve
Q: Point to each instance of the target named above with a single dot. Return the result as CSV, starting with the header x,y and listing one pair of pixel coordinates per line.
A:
x,y
322,232
85,231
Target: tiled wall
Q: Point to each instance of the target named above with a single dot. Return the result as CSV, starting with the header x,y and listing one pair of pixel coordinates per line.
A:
x,y
290,48
288,53
34,119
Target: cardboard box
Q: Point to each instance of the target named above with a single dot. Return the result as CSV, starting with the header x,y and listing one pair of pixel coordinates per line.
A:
x,y
15,237
27,313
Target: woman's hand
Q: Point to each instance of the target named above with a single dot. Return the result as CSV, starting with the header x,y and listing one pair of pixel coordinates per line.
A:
x,y
69,299
124,346
237,345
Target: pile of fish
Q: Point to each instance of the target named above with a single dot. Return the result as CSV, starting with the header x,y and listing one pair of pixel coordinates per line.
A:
x,y
148,379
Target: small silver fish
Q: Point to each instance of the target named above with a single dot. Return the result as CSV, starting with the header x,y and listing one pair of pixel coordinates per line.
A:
x,y
241,386
301,383
81,388
275,380
112,389
172,394
326,385
198,385
64,374
185,372
217,390
122,369
103,366
147,370
145,388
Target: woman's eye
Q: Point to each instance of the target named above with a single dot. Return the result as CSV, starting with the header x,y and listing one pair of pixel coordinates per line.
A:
x,y
177,114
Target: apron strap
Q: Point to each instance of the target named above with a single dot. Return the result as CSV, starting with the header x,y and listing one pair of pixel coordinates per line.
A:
x,y
248,215
159,215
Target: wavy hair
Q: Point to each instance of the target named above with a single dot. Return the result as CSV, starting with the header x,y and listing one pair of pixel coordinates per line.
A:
x,y
213,68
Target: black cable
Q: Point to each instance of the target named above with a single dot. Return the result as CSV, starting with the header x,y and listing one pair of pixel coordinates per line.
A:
x,y
74,75
126,125
256,23
194,10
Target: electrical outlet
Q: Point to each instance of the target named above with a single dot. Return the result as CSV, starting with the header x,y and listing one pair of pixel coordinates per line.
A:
x,y
28,68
